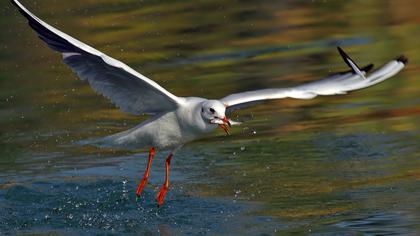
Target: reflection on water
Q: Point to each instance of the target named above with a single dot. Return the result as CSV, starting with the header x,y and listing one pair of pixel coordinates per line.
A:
x,y
332,165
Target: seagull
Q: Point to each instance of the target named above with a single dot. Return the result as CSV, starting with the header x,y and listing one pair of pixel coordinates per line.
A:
x,y
175,121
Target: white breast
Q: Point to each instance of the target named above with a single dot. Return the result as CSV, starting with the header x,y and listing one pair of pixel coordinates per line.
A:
x,y
167,131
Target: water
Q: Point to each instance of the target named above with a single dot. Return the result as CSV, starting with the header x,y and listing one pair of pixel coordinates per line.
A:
x,y
329,166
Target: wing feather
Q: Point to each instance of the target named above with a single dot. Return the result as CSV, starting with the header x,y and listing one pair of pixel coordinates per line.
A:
x,y
125,87
339,83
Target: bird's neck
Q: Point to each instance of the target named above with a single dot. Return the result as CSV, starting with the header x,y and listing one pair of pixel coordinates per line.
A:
x,y
191,120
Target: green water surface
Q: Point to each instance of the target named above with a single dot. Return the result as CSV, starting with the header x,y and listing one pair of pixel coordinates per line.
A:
x,y
337,165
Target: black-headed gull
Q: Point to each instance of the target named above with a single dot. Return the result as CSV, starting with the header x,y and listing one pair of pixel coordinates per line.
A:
x,y
177,120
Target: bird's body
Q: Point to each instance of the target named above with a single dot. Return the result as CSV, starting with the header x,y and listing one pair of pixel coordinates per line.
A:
x,y
165,131
174,120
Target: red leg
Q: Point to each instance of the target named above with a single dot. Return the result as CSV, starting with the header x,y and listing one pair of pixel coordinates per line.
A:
x,y
162,192
146,172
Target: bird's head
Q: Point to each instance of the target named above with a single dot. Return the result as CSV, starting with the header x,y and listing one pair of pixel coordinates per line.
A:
x,y
213,112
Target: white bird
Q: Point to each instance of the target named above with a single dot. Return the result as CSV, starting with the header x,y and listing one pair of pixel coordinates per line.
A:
x,y
177,120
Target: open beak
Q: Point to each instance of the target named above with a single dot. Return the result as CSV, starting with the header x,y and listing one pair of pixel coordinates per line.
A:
x,y
225,125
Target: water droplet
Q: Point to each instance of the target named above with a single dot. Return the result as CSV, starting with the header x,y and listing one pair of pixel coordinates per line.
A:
x,y
237,192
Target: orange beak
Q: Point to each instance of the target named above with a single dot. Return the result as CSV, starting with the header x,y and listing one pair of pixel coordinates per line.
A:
x,y
225,125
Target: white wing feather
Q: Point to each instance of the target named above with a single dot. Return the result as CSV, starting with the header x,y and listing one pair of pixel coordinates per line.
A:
x,y
128,89
340,83
136,94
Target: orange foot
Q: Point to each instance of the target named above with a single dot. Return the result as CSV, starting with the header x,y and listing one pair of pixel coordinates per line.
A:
x,y
164,189
161,195
141,186
146,172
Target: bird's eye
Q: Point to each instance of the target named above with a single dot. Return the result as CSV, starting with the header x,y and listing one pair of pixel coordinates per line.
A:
x,y
212,110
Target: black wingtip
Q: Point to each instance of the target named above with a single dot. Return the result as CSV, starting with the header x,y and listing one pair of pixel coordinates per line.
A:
x,y
14,3
402,59
347,58
342,53
367,68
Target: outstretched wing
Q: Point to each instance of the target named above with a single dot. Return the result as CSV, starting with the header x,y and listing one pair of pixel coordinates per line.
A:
x,y
339,83
128,89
